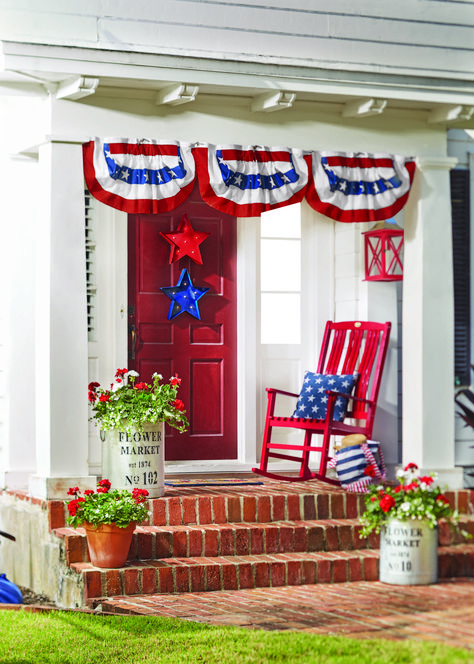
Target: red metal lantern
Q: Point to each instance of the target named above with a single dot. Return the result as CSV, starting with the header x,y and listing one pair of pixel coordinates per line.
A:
x,y
383,252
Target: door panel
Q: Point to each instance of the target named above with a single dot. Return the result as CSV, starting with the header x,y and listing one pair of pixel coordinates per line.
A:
x,y
202,352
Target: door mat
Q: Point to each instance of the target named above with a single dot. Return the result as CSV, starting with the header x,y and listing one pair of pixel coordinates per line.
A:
x,y
218,481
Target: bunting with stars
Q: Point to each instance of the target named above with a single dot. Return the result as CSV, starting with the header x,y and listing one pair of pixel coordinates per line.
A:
x,y
246,181
143,176
139,176
359,186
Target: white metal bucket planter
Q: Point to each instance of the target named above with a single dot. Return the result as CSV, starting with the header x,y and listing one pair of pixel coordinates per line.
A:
x,y
408,553
135,459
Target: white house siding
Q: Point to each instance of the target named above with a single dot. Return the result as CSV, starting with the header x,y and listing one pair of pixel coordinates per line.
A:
x,y
426,36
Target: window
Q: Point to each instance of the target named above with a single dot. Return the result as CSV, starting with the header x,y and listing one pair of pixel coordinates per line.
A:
x,y
280,276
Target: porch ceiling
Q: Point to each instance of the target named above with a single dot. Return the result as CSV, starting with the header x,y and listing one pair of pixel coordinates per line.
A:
x,y
40,69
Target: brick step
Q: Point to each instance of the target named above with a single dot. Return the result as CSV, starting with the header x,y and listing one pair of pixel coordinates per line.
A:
x,y
197,574
233,539
266,503
243,506
274,501
158,542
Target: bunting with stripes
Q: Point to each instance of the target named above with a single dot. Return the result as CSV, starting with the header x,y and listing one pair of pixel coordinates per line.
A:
x,y
246,181
359,186
138,175
147,176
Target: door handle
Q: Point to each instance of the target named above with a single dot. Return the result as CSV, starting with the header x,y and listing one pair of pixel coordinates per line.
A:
x,y
133,341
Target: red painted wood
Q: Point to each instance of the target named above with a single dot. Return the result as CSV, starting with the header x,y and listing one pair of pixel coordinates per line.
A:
x,y
202,352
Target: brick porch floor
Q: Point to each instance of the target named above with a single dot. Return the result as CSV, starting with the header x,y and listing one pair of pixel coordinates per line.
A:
x,y
443,612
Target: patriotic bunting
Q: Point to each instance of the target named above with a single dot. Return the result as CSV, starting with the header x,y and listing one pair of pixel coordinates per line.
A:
x,y
358,186
144,176
139,176
245,182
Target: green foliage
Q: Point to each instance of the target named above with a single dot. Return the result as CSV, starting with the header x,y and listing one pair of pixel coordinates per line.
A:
x,y
414,498
75,638
130,405
119,506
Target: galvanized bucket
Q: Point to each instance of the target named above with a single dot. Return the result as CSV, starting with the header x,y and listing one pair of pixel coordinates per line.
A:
x,y
408,553
135,459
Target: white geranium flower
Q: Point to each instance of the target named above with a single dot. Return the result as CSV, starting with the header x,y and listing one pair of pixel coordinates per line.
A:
x,y
405,507
132,373
157,375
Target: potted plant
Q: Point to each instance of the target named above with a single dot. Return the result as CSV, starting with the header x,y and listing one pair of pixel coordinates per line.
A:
x,y
407,518
132,416
109,519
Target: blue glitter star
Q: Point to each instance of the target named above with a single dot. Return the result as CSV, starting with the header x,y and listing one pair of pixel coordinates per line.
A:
x,y
184,296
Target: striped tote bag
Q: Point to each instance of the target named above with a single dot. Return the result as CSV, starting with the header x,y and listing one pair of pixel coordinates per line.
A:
x,y
360,465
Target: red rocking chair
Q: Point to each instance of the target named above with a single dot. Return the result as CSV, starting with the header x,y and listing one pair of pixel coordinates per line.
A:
x,y
349,348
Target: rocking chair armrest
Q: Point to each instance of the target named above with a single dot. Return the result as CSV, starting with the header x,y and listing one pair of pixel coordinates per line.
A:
x,y
275,391
350,396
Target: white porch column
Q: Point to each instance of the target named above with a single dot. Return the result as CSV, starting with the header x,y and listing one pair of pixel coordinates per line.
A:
x,y
61,325
428,324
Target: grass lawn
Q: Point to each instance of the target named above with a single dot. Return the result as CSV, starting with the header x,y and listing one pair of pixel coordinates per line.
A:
x,y
72,638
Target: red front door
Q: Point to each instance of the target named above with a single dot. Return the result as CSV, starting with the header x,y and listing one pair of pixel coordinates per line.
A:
x,y
202,352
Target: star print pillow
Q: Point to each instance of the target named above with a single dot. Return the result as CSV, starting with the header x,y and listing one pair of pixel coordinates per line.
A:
x,y
312,401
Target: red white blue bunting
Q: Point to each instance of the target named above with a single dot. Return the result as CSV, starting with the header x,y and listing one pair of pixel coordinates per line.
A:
x,y
139,176
358,186
246,181
147,177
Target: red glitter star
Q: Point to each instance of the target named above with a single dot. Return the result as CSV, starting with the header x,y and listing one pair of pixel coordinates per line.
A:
x,y
185,241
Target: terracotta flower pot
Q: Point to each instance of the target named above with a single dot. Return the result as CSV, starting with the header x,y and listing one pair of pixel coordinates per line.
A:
x,y
108,544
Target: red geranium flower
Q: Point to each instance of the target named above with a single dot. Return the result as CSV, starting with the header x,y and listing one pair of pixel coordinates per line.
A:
x,y
103,486
73,506
72,491
386,503
92,396
93,386
141,386
88,492
104,397
411,466
442,499
178,404
174,380
120,373
370,470
427,480
139,495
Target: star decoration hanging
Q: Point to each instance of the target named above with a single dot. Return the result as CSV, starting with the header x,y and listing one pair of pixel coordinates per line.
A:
x,y
185,241
184,296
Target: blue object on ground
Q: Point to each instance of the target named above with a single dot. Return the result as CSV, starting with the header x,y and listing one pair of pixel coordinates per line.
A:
x,y
9,593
